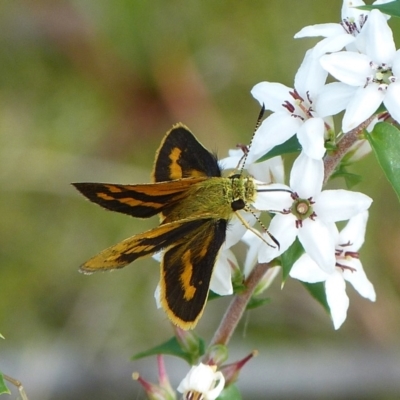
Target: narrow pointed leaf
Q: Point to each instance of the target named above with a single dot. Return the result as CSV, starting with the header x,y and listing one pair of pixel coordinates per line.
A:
x,y
292,145
392,8
385,141
289,257
317,290
173,348
350,178
3,386
256,302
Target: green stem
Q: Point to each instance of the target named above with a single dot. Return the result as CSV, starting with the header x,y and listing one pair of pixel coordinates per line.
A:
x,y
332,160
238,306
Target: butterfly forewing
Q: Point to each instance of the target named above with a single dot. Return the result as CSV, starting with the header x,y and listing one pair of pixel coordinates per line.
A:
x,y
181,156
141,201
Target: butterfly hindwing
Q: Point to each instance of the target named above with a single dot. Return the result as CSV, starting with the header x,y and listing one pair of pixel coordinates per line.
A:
x,y
186,271
141,201
141,245
182,156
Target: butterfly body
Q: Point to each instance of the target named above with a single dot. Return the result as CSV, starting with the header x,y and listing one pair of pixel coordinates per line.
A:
x,y
195,205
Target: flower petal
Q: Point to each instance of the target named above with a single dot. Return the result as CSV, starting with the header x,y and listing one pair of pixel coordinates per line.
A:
x,y
364,103
337,298
348,67
272,170
216,391
359,280
325,30
354,232
310,77
380,46
254,243
272,95
392,100
350,11
236,229
305,269
339,205
276,129
333,44
202,379
318,241
311,138
396,64
272,197
232,161
283,229
333,98
221,279
306,176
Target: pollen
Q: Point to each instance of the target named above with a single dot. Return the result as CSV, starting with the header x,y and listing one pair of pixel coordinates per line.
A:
x,y
302,208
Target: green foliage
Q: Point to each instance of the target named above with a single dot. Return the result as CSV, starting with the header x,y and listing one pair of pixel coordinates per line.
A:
x,y
289,257
292,145
173,347
317,290
392,8
230,393
350,179
256,302
385,141
3,387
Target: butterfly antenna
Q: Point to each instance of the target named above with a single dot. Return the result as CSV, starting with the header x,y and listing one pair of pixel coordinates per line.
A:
x,y
246,149
266,230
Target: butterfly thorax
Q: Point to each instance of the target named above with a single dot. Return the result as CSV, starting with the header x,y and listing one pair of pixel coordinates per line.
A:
x,y
242,191
214,197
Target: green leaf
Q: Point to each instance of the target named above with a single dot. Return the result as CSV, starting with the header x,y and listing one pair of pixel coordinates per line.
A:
x,y
385,141
317,290
392,8
231,392
350,178
173,348
256,302
289,257
292,145
3,386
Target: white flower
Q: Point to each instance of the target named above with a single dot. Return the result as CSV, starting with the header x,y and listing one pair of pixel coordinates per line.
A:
x,y
371,78
293,112
338,35
348,268
202,380
311,213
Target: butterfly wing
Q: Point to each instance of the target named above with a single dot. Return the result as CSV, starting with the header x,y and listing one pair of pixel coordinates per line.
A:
x,y
141,201
141,245
181,155
186,271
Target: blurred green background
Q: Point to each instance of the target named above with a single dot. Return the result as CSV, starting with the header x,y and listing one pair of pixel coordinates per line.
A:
x,y
87,91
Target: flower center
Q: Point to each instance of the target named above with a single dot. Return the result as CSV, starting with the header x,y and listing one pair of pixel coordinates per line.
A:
x,y
299,108
302,209
383,75
353,27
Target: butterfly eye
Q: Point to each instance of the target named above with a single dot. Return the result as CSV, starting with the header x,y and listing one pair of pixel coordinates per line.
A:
x,y
238,205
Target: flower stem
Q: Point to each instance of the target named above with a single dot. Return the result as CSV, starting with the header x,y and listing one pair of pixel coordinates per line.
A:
x,y
332,160
238,306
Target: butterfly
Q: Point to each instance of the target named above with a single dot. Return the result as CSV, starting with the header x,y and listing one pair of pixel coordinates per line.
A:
x,y
195,204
